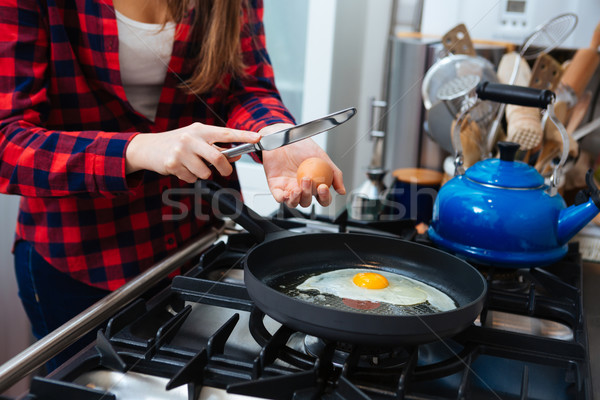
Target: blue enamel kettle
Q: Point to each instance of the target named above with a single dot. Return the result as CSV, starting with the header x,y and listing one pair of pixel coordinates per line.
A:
x,y
501,211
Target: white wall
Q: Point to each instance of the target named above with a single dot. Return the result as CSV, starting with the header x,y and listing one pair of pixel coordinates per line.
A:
x,y
361,33
489,19
300,43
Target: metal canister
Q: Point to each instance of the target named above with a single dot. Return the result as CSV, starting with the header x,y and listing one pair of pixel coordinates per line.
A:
x,y
412,194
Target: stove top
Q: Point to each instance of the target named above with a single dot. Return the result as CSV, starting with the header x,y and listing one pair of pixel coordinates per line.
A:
x,y
202,337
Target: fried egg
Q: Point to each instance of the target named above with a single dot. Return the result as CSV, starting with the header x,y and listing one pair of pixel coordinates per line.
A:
x,y
377,285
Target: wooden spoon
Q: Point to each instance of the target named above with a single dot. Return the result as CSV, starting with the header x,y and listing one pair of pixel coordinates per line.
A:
x,y
458,41
583,65
471,141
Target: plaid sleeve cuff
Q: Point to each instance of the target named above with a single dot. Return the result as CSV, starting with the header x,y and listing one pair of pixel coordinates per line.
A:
x,y
109,174
258,116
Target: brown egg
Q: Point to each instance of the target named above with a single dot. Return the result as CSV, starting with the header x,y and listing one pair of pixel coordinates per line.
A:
x,y
318,170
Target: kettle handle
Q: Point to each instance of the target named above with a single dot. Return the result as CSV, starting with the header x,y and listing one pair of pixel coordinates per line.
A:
x,y
517,95
459,168
530,97
591,192
556,173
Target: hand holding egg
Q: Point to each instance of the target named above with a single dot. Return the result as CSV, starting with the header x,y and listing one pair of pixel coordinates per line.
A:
x,y
282,168
317,170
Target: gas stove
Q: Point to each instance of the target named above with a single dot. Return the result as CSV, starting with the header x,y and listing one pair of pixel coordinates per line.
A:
x,y
203,338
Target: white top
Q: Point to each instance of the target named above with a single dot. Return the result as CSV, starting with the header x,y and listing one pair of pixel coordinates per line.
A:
x,y
144,55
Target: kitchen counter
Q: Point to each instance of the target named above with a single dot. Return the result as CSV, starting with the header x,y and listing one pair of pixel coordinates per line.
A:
x,y
591,305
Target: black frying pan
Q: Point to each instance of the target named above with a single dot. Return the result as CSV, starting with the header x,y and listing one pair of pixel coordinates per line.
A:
x,y
282,256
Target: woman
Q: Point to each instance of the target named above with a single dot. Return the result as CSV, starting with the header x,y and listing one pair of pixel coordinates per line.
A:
x,y
104,108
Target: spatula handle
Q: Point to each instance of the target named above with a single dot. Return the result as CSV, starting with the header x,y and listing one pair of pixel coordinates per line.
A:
x,y
228,203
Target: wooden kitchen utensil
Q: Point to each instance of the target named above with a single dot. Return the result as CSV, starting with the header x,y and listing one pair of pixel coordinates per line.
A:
x,y
524,124
545,38
578,112
458,41
506,66
583,65
550,150
471,141
575,176
546,72
581,69
575,78
553,146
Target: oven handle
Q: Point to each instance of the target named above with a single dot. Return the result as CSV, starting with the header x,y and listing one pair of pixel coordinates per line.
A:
x,y
56,341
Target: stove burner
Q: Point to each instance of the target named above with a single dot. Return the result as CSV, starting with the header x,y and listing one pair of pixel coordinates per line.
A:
x,y
382,357
506,279
229,275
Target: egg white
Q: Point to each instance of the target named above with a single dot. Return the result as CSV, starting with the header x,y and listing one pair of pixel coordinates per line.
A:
x,y
401,290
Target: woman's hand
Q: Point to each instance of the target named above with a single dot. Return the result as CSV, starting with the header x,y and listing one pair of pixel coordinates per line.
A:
x,y
185,152
281,165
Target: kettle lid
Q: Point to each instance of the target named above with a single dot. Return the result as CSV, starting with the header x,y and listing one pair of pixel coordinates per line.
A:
x,y
505,172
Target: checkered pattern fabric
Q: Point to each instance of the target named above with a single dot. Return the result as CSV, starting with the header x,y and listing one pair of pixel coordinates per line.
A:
x,y
65,124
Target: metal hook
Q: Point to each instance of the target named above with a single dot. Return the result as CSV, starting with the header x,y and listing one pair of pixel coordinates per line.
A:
x,y
556,173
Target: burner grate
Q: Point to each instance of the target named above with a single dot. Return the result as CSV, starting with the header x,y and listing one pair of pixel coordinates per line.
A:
x,y
481,362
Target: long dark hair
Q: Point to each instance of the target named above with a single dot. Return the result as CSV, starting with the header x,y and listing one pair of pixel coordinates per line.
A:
x,y
216,28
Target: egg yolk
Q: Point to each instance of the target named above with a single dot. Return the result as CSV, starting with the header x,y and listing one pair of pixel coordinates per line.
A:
x,y
370,280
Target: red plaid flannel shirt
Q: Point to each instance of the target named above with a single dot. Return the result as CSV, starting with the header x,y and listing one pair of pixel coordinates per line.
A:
x,y
65,124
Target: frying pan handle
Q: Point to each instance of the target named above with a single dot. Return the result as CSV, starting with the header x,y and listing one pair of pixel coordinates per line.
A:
x,y
229,204
517,95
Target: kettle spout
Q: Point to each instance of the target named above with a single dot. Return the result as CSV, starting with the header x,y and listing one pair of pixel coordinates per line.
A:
x,y
572,219
587,205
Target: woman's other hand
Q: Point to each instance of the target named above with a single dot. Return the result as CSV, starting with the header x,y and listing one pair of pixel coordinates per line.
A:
x,y
185,152
281,166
